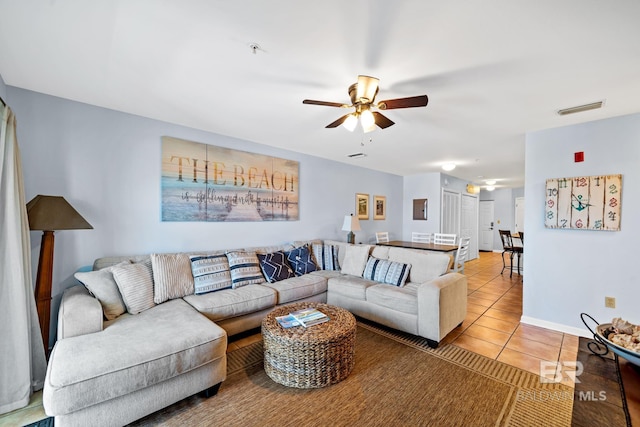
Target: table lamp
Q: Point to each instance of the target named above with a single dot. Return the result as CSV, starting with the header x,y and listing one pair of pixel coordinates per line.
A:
x,y
351,224
49,213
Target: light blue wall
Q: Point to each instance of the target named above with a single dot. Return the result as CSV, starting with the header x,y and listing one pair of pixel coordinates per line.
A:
x,y
107,165
571,271
421,186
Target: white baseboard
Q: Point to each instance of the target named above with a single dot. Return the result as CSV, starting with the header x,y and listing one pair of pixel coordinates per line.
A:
x,y
581,332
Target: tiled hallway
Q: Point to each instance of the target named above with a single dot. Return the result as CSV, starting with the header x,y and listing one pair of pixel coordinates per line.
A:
x,y
492,326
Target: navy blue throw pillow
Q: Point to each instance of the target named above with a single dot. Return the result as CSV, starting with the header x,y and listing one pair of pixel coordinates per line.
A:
x,y
301,261
274,266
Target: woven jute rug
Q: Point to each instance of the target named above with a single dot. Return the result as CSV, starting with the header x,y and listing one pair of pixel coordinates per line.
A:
x,y
397,381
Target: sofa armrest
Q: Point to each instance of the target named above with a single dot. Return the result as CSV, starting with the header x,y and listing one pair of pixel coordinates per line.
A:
x,y
442,305
79,314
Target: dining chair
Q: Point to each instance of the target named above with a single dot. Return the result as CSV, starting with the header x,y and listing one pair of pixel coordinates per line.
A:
x,y
382,237
419,237
462,254
444,239
511,249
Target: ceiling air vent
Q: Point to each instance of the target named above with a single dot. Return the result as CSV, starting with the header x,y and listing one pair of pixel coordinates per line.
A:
x,y
581,108
356,155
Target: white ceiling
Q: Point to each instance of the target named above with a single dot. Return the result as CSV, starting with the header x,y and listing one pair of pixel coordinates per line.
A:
x,y
493,70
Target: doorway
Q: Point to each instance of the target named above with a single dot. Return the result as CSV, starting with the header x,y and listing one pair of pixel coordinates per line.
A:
x,y
486,225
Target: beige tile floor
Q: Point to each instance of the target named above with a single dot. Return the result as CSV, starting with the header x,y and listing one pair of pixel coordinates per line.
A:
x,y
492,328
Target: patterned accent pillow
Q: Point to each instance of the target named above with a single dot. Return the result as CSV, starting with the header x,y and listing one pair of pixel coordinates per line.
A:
x,y
210,273
301,261
274,266
326,256
103,286
245,268
135,282
172,277
385,271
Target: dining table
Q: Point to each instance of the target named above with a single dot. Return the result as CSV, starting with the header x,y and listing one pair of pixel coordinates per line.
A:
x,y
436,247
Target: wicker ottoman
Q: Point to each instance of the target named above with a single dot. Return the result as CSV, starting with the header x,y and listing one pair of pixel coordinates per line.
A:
x,y
312,357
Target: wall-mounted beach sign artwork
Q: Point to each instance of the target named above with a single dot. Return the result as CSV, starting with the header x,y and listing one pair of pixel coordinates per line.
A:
x,y
584,202
202,182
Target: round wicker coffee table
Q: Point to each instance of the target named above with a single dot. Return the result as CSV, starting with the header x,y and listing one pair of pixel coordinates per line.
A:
x,y
312,357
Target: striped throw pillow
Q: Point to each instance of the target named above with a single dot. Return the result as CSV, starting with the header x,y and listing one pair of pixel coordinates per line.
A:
x,y
172,277
210,273
245,269
385,271
135,282
326,256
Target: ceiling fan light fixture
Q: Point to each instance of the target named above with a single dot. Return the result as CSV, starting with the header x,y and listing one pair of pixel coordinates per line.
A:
x,y
367,121
351,122
490,182
367,88
490,188
449,166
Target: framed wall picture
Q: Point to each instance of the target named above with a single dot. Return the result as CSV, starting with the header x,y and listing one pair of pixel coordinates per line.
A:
x,y
379,207
362,205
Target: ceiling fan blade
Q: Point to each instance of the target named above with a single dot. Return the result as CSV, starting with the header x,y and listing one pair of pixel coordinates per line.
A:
x,y
382,121
338,122
367,88
413,101
325,103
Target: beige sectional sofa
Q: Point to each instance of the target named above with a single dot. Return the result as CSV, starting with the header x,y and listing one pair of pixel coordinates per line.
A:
x,y
108,369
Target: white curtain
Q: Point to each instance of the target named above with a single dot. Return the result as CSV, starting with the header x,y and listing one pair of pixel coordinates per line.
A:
x,y
22,359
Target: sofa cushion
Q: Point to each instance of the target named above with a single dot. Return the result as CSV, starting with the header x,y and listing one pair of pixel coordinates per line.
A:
x,y
326,256
301,261
350,286
425,266
299,287
229,303
103,286
245,268
135,283
327,274
172,277
355,259
134,352
274,266
385,271
399,299
210,273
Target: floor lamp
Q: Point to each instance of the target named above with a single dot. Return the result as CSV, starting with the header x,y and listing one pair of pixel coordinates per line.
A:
x,y
49,213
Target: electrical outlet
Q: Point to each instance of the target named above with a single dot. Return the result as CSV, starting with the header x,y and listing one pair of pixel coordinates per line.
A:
x,y
610,302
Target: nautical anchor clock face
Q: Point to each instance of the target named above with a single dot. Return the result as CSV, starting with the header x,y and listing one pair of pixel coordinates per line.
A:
x,y
585,202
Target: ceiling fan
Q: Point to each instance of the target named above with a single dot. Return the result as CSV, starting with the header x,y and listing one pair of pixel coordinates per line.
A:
x,y
363,94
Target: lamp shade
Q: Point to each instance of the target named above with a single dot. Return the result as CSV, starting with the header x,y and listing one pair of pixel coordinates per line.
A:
x,y
351,223
52,213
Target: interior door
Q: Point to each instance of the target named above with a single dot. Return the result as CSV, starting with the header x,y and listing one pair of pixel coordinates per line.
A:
x,y
469,223
450,212
486,225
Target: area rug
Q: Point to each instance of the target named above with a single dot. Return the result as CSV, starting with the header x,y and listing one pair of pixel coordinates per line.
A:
x,y
599,397
397,381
